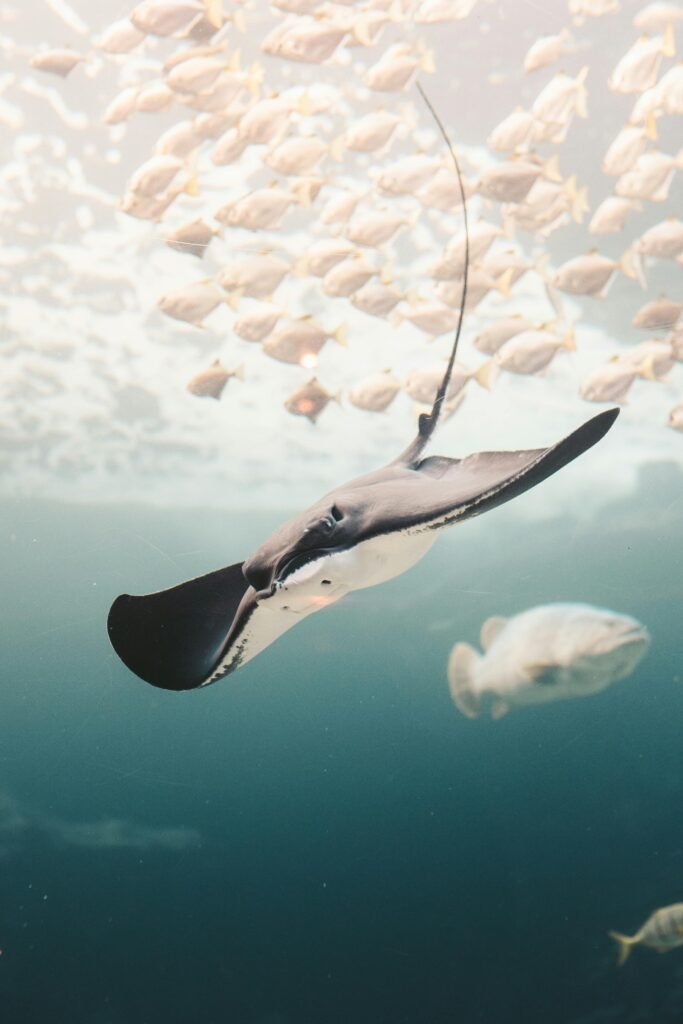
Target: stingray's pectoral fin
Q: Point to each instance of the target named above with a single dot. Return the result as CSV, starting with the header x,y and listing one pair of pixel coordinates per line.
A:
x,y
467,487
177,638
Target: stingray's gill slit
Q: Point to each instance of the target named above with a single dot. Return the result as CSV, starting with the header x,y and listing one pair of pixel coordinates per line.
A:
x,y
364,532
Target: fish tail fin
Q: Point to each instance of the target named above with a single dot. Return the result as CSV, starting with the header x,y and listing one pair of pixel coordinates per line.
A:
x,y
361,33
386,275
213,10
302,191
551,171
504,282
461,665
239,372
485,374
626,264
303,105
233,298
647,368
254,79
191,186
337,148
651,126
669,41
427,63
624,943
341,335
568,340
581,98
239,21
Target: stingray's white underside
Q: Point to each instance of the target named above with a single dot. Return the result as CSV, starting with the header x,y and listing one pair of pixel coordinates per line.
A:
x,y
323,582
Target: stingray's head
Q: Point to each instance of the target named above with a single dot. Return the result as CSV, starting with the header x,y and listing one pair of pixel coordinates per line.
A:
x,y
321,531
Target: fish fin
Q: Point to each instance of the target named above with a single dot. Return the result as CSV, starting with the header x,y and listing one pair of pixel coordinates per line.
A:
x,y
624,942
669,41
386,275
457,489
461,665
191,186
213,11
581,104
233,298
551,171
647,368
499,709
254,79
554,299
303,105
427,62
486,374
537,669
504,281
239,372
651,126
568,341
337,148
626,264
491,629
341,335
239,21
176,638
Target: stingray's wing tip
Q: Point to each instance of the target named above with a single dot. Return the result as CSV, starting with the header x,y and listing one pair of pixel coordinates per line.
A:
x,y
599,425
176,639
132,641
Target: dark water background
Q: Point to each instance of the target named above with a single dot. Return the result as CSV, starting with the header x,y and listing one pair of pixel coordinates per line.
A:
x,y
354,850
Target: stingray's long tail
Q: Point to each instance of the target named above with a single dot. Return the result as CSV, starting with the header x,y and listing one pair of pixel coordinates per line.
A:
x,y
428,421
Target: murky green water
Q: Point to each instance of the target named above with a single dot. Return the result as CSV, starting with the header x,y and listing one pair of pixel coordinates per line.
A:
x,y
323,837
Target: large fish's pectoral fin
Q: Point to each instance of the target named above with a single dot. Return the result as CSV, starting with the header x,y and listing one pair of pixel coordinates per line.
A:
x,y
177,638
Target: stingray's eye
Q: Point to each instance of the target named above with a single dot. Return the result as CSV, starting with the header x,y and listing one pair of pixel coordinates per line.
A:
x,y
328,523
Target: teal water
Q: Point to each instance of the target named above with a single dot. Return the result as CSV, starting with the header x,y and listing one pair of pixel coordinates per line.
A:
x,y
323,838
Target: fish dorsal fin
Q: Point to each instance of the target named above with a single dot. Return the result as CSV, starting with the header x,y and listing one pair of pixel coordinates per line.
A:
x,y
491,629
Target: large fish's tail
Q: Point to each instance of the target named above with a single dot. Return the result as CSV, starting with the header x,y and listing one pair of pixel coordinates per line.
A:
x,y
461,665
624,942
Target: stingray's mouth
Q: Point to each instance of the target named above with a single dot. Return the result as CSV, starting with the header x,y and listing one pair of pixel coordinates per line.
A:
x,y
297,562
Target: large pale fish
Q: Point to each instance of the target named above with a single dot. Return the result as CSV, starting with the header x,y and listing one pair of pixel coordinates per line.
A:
x,y
548,653
361,533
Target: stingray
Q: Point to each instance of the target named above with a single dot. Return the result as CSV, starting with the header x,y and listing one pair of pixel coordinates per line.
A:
x,y
361,533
